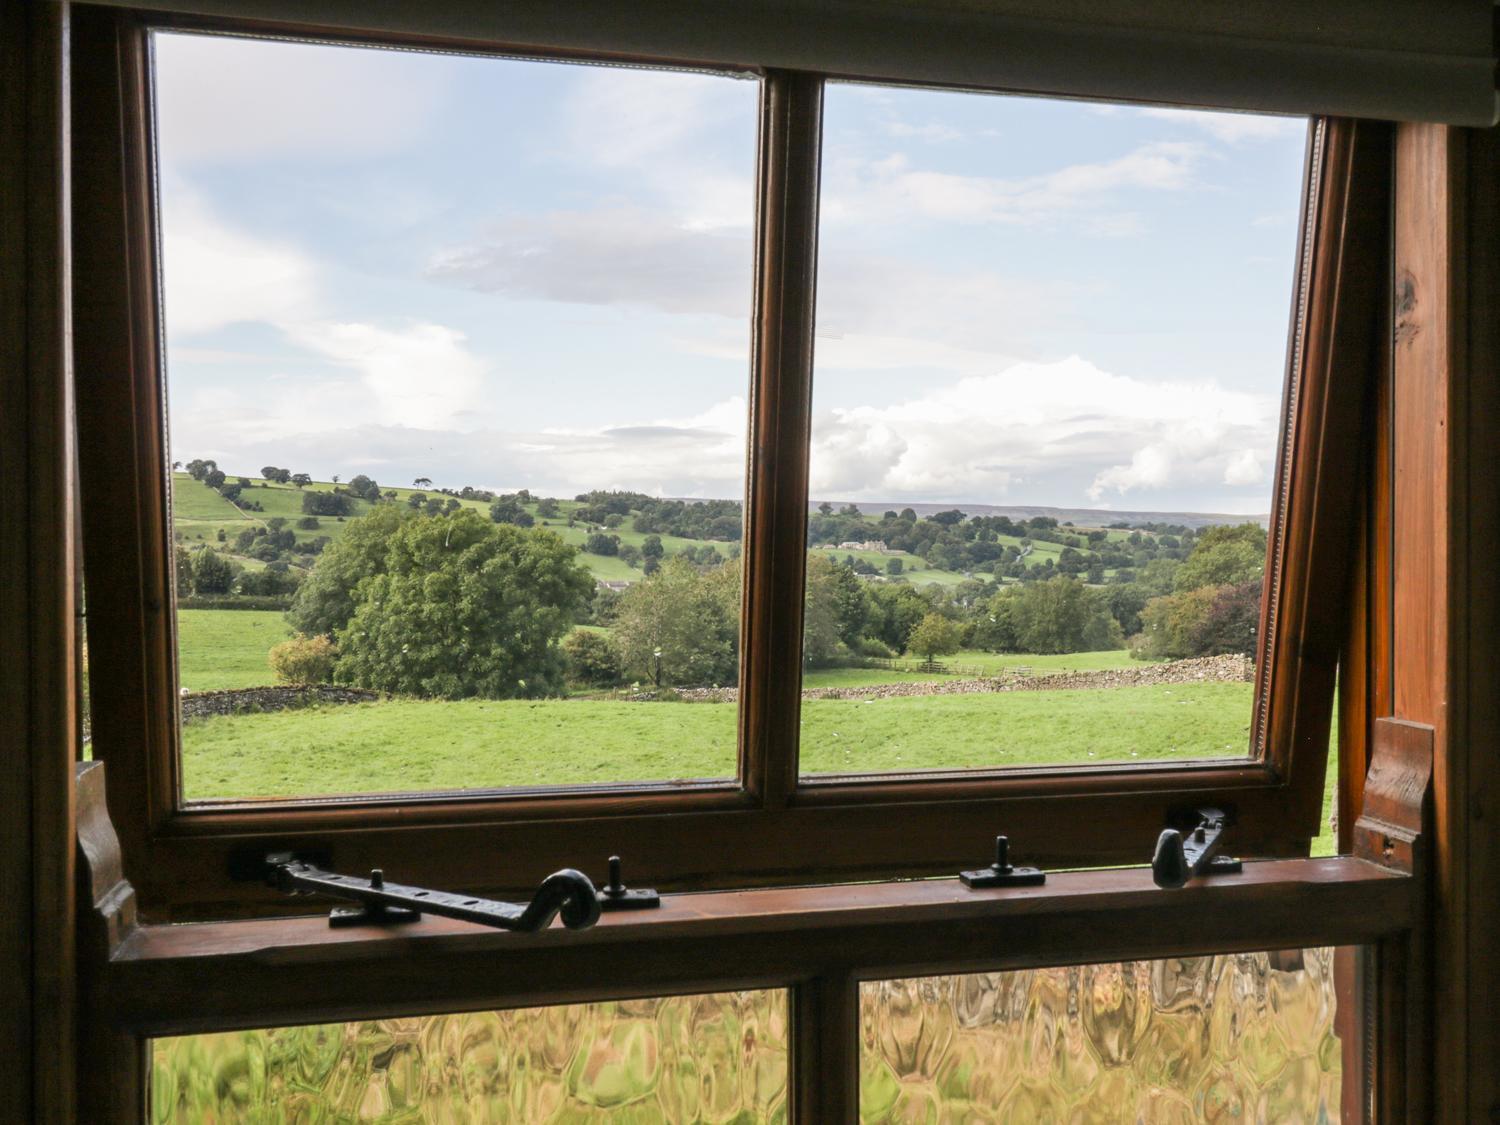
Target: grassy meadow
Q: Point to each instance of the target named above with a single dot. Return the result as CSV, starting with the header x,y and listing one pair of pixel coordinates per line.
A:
x,y
484,744
226,648
413,745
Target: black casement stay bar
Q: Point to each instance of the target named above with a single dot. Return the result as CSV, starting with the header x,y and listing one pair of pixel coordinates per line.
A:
x,y
566,892
1178,859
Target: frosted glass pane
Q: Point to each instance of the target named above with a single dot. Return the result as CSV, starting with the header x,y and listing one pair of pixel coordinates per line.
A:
x,y
719,1058
1230,1038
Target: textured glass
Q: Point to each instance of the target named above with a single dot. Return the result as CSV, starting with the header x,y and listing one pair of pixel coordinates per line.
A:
x,y
715,1058
1235,1038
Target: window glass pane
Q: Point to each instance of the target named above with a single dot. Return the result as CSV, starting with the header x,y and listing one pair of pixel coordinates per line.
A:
x,y
1248,1037
458,356
720,1057
1050,357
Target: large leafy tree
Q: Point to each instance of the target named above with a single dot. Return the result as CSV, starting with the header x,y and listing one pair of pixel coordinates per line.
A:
x,y
820,618
325,602
934,636
364,488
1061,615
463,607
680,626
894,611
1224,556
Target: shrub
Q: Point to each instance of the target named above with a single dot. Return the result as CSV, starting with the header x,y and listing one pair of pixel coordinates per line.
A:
x,y
326,504
233,601
1172,626
303,660
601,544
212,573
592,658
308,523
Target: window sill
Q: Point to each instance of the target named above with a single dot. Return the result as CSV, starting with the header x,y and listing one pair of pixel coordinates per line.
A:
x,y
277,971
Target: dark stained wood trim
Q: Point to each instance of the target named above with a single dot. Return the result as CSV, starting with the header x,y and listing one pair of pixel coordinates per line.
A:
x,y
173,979
17,989
776,829
1305,611
112,1067
186,877
1475,601
122,457
1396,820
1428,366
825,1048
786,271
1365,665
1395,830
1351,1024
38,654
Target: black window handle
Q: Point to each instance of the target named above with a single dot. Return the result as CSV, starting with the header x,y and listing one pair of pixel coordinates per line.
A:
x,y
566,892
1178,859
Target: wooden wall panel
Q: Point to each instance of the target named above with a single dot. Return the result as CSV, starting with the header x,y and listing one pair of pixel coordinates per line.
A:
x,y
37,656
1423,363
1445,617
1476,599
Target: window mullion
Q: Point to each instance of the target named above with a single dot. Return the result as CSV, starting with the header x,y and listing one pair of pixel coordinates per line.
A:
x,y
786,266
824,1080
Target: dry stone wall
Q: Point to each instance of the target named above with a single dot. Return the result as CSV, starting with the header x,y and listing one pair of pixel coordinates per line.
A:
x,y
1205,669
203,704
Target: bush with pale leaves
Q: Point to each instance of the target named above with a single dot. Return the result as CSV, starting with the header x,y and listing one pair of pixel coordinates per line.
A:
x,y
304,660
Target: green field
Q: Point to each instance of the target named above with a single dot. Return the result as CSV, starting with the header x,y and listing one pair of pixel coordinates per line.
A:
x,y
226,648
415,745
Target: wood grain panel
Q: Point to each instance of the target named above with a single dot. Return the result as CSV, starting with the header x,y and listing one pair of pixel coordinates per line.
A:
x,y
38,672
1476,597
776,539
174,979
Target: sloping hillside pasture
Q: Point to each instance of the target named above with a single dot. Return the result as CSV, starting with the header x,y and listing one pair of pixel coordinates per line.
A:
x,y
199,512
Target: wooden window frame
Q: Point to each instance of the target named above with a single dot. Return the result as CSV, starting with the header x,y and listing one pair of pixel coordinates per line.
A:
x,y
772,826
141,981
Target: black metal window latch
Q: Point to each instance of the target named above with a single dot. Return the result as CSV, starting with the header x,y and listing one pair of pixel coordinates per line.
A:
x,y
1180,858
566,892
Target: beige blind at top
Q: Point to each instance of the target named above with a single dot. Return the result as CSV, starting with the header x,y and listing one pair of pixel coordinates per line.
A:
x,y
1428,60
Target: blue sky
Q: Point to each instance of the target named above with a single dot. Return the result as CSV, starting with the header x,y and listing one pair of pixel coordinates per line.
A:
x,y
519,274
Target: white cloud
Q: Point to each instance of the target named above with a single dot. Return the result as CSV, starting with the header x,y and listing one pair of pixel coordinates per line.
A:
x,y
1150,467
216,275
409,372
420,375
241,101
700,455
870,351
1232,128
976,437
1245,467
888,189
665,132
